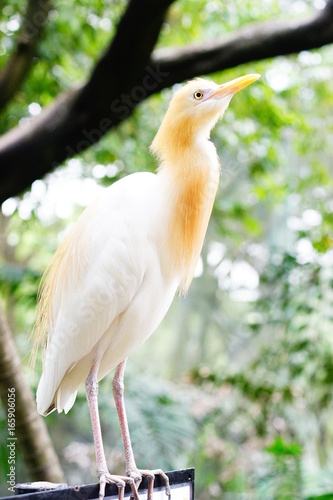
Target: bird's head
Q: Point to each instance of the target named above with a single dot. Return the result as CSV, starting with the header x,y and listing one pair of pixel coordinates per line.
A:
x,y
194,110
204,102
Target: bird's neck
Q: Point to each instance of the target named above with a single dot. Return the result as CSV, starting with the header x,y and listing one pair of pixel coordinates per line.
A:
x,y
192,173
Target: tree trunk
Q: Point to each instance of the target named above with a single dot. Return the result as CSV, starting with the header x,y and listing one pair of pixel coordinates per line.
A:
x,y
30,429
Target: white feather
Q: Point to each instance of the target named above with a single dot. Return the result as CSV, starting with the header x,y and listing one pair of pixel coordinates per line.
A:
x,y
106,315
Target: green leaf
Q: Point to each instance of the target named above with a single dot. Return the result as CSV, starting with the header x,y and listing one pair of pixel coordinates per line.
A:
x,y
280,447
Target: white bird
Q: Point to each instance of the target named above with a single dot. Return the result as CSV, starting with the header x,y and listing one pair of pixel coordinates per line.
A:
x,y
114,276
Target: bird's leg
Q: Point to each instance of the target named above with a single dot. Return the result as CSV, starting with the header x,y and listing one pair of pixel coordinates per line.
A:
x,y
102,469
118,394
131,468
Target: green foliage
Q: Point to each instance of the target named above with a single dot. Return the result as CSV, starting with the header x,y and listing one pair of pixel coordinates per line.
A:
x,y
280,448
326,496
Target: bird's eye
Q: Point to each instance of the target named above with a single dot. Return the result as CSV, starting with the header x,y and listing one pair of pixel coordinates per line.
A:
x,y
198,95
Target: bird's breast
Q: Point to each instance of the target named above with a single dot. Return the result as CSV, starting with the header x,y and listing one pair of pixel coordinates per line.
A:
x,y
191,197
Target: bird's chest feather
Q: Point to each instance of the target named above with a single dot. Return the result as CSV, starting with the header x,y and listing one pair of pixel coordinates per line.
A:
x,y
192,190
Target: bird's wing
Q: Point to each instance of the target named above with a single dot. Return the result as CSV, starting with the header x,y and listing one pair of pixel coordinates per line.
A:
x,y
100,269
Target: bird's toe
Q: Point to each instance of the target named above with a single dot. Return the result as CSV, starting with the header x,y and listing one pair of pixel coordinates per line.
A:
x,y
150,476
120,482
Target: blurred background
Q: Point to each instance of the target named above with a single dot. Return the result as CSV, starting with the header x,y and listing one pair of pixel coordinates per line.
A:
x,y
237,381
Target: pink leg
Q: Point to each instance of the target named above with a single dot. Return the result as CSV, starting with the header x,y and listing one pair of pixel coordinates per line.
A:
x,y
92,397
102,469
118,394
131,468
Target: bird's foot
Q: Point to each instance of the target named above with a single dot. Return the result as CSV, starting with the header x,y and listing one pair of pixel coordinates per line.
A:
x,y
138,474
120,481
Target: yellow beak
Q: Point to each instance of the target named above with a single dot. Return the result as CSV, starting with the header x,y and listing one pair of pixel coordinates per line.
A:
x,y
233,86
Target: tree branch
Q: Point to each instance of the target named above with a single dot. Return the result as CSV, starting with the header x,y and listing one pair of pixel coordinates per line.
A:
x,y
80,117
125,76
253,43
21,60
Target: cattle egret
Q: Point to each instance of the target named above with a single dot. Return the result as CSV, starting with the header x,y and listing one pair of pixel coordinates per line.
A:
x,y
113,277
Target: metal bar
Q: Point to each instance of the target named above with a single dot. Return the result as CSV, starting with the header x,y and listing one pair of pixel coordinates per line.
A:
x,y
181,484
